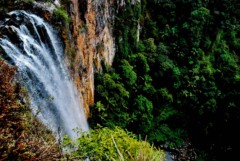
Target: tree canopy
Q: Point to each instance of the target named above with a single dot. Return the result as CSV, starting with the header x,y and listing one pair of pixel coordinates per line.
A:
x,y
180,80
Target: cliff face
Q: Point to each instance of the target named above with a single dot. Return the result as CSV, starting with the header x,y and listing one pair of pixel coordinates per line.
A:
x,y
92,38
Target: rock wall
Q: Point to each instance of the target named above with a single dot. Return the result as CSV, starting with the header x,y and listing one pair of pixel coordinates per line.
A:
x,y
91,35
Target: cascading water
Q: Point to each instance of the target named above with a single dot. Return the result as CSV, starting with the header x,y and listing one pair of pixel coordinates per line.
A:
x,y
33,46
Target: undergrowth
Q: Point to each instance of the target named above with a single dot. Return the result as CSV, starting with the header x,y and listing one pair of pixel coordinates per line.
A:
x,y
22,137
111,144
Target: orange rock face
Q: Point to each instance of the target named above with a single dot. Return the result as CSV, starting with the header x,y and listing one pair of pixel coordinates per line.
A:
x,y
90,42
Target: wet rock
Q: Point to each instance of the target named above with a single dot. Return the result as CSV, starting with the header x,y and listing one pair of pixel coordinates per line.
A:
x,y
183,153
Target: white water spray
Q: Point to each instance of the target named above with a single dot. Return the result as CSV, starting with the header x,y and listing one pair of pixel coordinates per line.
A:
x,y
33,46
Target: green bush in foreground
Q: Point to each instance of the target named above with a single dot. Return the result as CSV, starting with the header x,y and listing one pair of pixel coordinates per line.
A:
x,y
107,144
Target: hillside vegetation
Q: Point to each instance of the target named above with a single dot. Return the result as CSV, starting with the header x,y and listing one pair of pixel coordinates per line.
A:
x,y
22,137
180,81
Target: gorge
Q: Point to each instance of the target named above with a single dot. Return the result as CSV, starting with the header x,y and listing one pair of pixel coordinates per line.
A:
x,y
165,71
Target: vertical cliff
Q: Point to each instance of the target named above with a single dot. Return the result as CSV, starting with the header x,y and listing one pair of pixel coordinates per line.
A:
x,y
91,32
91,36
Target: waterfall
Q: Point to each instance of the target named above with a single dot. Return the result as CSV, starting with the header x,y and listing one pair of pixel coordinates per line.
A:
x,y
34,47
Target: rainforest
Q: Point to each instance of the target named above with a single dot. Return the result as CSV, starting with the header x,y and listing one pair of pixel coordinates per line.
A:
x,y
127,80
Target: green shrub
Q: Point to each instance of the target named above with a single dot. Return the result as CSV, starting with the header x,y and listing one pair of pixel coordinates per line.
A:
x,y
60,14
107,144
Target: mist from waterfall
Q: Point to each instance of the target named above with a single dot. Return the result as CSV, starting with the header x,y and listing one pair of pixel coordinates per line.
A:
x,y
34,47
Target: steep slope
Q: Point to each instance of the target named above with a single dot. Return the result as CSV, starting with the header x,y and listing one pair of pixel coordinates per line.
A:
x,y
91,31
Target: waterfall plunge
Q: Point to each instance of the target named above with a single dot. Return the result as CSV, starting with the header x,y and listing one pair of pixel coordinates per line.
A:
x,y
33,46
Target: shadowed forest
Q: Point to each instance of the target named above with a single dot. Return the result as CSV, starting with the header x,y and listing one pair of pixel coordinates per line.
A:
x,y
178,82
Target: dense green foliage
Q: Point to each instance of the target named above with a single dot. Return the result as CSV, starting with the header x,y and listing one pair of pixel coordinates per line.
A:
x,y
180,80
107,144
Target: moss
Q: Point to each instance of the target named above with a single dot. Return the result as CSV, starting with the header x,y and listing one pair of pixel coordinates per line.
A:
x,y
60,14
